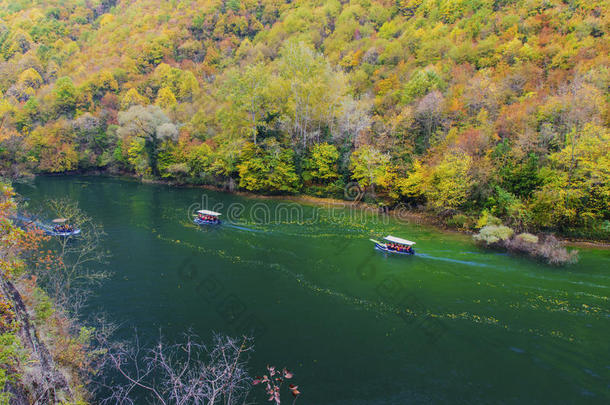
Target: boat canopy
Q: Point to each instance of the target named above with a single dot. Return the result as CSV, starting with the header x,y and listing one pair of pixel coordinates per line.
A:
x,y
206,212
59,220
394,239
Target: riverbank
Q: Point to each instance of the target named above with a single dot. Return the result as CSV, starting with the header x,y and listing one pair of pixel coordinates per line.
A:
x,y
43,353
400,212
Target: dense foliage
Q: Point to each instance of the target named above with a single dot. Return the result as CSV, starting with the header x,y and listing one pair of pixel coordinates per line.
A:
x,y
39,349
458,106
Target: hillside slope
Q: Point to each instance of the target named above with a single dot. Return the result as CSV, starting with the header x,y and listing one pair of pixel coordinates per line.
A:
x,y
460,107
43,354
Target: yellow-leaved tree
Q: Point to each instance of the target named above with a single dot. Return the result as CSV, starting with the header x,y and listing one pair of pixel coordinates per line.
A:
x,y
131,98
445,186
450,182
373,169
577,189
166,99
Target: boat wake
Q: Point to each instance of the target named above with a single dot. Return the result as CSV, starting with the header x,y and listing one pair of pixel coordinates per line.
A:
x,y
242,228
26,221
447,259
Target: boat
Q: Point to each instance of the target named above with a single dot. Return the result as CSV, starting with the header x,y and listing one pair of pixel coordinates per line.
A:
x,y
395,245
61,228
206,217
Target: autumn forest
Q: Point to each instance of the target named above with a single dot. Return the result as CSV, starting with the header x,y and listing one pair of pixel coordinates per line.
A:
x,y
466,109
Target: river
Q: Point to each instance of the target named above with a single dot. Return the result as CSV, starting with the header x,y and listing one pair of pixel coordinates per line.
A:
x,y
453,323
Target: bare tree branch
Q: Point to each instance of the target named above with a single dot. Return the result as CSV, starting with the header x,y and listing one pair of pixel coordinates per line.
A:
x,y
182,373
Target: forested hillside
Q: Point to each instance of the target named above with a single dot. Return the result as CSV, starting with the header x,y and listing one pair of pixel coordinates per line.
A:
x,y
458,107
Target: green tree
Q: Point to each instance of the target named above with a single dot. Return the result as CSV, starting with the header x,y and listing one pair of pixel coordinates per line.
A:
x,y
420,84
25,117
199,160
268,167
322,165
577,191
65,94
249,96
152,126
313,91
372,168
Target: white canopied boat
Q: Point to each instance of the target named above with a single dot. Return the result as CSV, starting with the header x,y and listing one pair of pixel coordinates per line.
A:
x,y
62,228
396,245
207,217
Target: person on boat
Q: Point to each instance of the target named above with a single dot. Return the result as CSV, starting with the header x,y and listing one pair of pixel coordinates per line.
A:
x,y
63,228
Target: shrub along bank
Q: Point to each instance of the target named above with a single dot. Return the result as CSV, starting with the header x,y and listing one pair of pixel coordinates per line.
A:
x,y
546,248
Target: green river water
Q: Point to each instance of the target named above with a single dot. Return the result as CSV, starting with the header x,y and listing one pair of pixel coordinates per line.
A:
x,y
453,324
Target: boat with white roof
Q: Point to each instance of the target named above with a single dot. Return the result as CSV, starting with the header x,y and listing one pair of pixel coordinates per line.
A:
x,y
62,228
207,217
395,245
